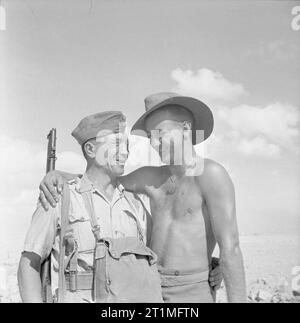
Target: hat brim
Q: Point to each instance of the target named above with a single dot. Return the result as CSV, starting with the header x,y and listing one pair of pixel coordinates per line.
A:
x,y
203,117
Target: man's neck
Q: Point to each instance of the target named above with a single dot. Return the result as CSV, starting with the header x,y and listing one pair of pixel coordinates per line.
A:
x,y
103,181
177,170
187,166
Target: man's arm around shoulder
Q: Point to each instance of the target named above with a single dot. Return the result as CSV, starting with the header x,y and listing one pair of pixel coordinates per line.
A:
x,y
142,180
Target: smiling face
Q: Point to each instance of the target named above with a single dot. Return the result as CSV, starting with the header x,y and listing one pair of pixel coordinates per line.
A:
x,y
109,152
169,129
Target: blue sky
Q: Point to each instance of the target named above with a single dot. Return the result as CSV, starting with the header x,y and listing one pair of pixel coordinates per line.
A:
x,y
63,60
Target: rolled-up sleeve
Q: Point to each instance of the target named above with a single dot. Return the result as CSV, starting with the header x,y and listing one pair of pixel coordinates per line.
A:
x,y
43,229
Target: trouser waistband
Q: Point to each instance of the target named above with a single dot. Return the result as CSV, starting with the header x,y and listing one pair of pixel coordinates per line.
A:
x,y
173,277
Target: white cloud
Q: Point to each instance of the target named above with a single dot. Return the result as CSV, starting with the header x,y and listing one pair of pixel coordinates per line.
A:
x,y
276,123
23,164
71,162
258,147
227,145
252,130
206,85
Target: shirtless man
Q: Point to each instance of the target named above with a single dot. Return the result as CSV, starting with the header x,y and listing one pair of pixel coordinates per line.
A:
x,y
191,210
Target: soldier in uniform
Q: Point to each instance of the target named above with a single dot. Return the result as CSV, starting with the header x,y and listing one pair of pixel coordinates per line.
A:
x,y
105,257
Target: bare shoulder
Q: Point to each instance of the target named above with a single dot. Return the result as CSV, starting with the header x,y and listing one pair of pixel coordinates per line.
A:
x,y
214,176
213,169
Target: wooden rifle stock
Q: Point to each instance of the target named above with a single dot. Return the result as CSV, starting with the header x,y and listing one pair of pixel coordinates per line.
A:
x,y
46,265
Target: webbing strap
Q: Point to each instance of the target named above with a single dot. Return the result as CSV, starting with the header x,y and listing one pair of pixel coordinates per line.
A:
x,y
65,204
88,201
84,281
139,227
99,283
100,287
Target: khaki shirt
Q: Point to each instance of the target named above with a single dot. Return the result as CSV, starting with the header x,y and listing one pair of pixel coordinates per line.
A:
x,y
116,219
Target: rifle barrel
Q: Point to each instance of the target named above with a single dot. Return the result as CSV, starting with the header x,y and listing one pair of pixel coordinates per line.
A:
x,y
51,153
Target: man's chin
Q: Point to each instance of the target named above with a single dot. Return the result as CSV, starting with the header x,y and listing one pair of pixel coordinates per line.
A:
x,y
118,169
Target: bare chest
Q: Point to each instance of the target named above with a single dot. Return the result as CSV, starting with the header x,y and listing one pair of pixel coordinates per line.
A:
x,y
178,200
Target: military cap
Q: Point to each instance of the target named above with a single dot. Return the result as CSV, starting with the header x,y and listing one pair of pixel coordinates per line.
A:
x,y
98,125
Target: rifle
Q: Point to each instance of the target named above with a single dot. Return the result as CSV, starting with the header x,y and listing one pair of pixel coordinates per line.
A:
x,y
46,265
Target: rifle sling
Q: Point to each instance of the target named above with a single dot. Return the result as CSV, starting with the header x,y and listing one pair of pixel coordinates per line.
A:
x,y
65,204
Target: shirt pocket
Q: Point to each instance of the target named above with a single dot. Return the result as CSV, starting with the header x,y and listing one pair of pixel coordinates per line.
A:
x,y
79,222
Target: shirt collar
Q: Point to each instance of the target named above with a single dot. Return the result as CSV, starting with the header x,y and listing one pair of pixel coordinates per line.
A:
x,y
86,185
121,188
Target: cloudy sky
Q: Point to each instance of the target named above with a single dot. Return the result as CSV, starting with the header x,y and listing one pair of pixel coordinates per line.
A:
x,y
62,60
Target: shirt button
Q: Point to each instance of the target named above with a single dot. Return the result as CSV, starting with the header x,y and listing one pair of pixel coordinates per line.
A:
x,y
108,281
176,273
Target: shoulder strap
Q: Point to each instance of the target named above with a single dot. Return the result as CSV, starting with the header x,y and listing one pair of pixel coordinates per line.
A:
x,y
139,227
65,205
88,201
147,210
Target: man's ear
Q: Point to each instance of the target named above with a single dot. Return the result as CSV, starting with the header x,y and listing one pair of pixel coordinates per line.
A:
x,y
89,149
187,125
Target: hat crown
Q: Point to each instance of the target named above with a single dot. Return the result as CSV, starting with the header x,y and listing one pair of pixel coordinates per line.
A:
x,y
103,122
156,98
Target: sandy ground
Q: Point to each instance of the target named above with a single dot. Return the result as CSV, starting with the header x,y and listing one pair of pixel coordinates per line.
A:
x,y
269,261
